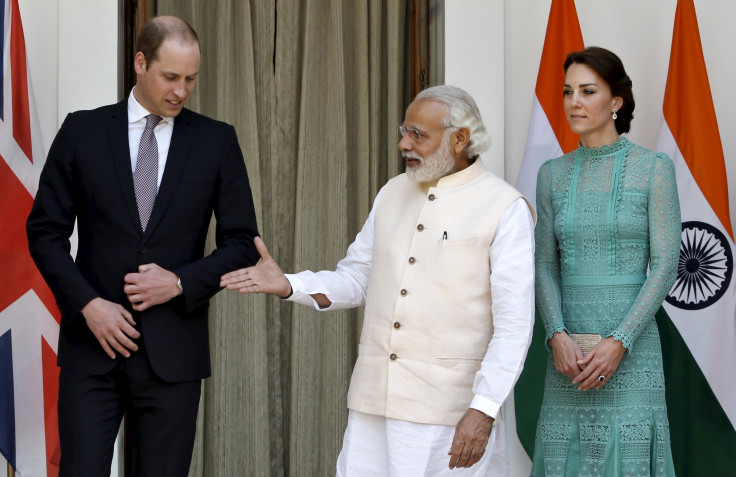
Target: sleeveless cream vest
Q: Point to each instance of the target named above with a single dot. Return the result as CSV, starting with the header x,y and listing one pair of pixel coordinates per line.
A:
x,y
428,319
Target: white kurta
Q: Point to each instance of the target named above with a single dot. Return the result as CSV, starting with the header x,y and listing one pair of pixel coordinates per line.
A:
x,y
512,257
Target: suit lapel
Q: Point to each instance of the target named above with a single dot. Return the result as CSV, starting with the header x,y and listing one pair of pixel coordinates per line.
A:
x,y
120,151
175,162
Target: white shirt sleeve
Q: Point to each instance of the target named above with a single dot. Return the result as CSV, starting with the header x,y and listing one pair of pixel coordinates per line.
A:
x,y
347,286
512,289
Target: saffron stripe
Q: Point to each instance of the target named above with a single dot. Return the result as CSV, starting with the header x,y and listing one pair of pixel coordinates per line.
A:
x,y
690,115
563,36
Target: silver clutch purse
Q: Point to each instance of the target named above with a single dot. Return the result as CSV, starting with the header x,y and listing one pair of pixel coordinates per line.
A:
x,y
586,341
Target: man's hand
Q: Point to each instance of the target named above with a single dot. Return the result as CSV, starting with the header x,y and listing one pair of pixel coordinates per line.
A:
x,y
152,285
471,439
112,325
264,277
603,360
567,354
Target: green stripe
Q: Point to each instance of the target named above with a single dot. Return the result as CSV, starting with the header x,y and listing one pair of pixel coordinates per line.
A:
x,y
703,440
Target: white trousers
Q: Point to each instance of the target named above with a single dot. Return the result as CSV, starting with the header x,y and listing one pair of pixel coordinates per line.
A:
x,y
377,446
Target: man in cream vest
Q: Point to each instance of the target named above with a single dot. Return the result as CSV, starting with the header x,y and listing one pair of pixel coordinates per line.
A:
x,y
445,268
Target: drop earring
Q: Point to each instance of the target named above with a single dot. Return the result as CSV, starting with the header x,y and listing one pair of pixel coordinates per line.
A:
x,y
614,115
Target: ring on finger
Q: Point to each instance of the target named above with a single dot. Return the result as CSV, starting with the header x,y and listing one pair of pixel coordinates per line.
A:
x,y
601,378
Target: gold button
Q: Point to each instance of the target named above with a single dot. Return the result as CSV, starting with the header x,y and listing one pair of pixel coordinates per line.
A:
x,y
393,356
431,197
420,227
397,325
412,260
403,292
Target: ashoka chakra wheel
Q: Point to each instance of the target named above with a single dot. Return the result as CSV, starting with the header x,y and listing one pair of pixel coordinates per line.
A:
x,y
705,268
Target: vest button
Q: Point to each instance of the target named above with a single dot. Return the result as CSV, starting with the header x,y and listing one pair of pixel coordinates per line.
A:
x,y
412,259
143,251
397,325
393,356
420,227
404,292
431,197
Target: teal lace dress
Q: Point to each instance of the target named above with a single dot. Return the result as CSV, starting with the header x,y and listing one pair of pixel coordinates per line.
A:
x,y
604,216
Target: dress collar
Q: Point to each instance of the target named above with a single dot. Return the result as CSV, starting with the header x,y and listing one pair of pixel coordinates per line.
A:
x,y
622,143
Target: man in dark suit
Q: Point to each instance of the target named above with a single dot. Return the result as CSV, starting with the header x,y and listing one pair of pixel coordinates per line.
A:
x,y
142,179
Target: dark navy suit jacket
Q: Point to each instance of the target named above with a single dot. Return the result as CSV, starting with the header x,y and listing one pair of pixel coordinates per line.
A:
x,y
87,177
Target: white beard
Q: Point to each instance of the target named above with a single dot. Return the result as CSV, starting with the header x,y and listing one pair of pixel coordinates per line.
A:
x,y
434,166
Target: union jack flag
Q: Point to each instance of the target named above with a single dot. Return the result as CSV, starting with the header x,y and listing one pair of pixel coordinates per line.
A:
x,y
29,319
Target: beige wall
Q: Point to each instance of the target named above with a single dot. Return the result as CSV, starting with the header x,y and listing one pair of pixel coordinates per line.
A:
x,y
72,54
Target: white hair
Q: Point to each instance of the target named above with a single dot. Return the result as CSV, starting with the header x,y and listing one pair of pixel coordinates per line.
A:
x,y
461,112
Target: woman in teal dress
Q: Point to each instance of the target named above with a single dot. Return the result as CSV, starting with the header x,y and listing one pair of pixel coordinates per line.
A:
x,y
607,211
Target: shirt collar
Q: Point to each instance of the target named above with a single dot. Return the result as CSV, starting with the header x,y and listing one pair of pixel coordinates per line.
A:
x,y
136,112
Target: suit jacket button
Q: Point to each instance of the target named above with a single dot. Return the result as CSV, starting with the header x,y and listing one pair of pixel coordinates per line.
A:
x,y
431,197
393,356
412,259
420,227
404,292
143,251
397,325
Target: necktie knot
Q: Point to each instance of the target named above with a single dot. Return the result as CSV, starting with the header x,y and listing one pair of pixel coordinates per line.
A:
x,y
151,122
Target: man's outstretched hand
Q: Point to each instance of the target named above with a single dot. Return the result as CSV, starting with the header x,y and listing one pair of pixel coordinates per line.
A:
x,y
264,277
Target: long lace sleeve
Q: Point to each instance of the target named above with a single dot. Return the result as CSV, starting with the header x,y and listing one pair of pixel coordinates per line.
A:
x,y
547,258
664,250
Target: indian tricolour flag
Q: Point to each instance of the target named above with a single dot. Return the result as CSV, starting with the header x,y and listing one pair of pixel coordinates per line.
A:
x,y
549,136
700,349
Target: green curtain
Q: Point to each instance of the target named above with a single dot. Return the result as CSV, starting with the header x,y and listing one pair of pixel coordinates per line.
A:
x,y
316,90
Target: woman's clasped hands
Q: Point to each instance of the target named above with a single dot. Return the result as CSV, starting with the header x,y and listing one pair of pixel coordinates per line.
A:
x,y
589,371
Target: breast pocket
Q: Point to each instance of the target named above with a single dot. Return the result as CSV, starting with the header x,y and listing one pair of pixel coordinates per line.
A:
x,y
457,255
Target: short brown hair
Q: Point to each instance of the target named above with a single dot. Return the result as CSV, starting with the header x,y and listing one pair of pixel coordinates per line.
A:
x,y
156,30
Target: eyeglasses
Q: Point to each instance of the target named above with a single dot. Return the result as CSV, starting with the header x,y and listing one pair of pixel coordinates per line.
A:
x,y
416,134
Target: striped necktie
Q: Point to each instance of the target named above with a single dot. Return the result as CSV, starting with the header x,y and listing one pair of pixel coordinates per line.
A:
x,y
145,177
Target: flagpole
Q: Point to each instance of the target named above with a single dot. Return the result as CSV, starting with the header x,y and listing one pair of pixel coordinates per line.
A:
x,y
11,471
